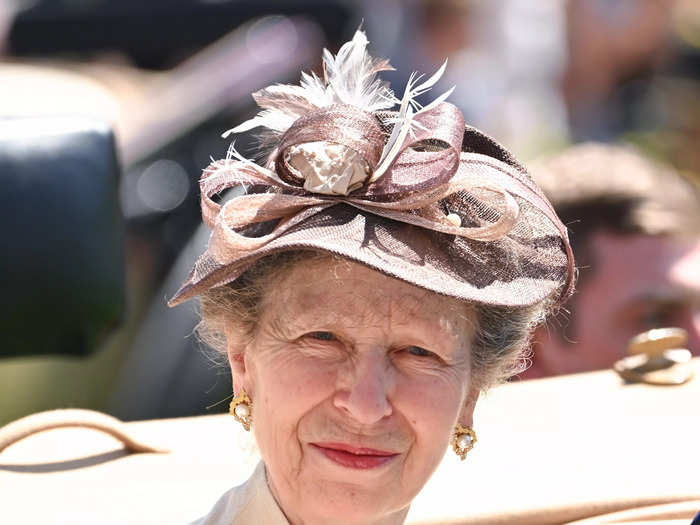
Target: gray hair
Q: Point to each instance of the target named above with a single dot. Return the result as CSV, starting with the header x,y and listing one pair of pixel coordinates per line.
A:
x,y
500,347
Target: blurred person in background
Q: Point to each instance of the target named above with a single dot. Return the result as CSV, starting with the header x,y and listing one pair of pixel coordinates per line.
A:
x,y
635,228
614,50
539,75
633,74
506,57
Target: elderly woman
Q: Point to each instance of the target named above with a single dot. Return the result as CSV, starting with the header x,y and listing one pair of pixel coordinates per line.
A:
x,y
380,270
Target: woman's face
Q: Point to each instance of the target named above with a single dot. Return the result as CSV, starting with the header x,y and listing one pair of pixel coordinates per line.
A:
x,y
357,381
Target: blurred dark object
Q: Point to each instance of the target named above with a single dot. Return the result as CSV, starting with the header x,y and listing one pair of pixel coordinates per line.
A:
x,y
62,269
160,32
168,372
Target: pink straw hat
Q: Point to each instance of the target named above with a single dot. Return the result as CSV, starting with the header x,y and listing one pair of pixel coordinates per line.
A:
x,y
412,193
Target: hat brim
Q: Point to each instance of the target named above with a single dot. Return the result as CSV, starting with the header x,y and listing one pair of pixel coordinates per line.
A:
x,y
525,267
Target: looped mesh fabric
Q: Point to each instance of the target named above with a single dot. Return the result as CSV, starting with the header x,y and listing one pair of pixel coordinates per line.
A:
x,y
531,263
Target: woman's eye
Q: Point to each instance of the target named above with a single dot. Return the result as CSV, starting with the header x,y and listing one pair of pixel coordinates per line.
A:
x,y
322,336
418,351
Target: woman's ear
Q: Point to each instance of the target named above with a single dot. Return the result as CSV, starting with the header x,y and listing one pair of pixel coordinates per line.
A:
x,y
235,350
466,416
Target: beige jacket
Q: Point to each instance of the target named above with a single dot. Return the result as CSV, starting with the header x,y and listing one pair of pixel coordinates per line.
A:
x,y
248,504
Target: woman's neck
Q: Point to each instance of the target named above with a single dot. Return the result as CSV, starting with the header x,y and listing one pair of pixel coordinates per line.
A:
x,y
395,518
294,517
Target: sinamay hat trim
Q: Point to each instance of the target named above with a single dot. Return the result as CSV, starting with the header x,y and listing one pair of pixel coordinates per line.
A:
x,y
413,193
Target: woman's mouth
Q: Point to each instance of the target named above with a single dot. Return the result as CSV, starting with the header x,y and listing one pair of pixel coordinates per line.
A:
x,y
354,457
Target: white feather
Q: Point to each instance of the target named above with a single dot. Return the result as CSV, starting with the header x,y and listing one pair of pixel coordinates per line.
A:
x,y
425,86
404,120
278,121
404,117
316,91
350,77
437,101
394,144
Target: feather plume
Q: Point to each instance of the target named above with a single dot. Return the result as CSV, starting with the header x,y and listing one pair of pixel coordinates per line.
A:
x,y
350,77
408,109
289,99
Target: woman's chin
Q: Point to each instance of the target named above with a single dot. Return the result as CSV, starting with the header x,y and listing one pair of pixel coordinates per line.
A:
x,y
358,488
350,503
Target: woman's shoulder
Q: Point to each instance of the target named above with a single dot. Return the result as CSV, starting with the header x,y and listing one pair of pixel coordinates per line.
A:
x,y
224,510
247,504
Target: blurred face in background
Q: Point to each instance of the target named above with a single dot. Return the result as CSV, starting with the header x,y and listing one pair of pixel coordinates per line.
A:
x,y
635,283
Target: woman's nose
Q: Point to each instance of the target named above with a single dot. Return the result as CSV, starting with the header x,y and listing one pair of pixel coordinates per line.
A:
x,y
364,389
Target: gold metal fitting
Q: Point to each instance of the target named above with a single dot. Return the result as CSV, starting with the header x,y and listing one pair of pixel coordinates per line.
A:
x,y
657,357
656,341
463,440
241,408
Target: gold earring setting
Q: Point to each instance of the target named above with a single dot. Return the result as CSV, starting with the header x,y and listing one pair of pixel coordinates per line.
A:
x,y
463,440
241,408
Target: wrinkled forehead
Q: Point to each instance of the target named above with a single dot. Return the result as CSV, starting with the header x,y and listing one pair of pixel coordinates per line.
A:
x,y
341,291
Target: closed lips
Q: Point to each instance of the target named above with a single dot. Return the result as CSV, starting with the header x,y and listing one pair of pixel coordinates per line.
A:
x,y
354,457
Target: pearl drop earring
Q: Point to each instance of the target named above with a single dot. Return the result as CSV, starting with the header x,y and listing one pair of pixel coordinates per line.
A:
x,y
241,408
463,440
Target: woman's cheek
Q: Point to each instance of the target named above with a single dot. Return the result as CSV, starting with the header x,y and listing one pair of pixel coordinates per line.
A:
x,y
433,400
